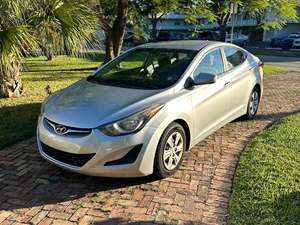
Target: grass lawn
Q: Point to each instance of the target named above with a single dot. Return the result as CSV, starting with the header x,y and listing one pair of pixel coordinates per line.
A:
x,y
272,70
18,116
266,187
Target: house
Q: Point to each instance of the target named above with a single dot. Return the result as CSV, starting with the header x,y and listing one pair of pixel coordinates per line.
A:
x,y
174,23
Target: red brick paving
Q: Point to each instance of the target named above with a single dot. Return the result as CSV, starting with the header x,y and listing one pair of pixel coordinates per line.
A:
x,y
34,192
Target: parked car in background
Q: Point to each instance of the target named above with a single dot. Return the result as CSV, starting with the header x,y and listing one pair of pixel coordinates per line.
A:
x,y
164,36
141,112
130,39
238,39
285,41
208,35
296,43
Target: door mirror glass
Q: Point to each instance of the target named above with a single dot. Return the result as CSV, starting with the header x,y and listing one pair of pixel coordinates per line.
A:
x,y
201,79
205,78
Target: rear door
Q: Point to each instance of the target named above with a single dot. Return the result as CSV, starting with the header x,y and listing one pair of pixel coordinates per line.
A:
x,y
238,73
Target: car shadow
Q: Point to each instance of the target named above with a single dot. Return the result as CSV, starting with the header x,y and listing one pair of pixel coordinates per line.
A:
x,y
86,69
38,183
121,221
18,122
62,76
267,117
274,116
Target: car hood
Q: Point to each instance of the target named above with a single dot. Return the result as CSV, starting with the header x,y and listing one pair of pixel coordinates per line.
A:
x,y
88,105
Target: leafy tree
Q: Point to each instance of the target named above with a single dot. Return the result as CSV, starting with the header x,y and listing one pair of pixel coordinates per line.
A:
x,y
155,10
272,14
112,17
269,13
193,9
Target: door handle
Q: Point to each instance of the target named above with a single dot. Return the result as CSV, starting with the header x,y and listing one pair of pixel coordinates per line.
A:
x,y
227,84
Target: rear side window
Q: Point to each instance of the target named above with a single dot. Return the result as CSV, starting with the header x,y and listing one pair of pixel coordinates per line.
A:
x,y
212,63
234,57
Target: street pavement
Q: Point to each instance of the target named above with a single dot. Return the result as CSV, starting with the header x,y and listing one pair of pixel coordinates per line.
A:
x,y
291,63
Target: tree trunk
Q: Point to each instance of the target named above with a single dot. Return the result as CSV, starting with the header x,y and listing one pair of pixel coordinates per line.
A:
x,y
114,35
50,56
222,32
47,51
12,88
10,82
154,29
222,22
119,26
109,47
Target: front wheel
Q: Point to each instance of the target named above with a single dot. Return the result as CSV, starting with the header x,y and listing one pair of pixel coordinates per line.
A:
x,y
253,104
170,151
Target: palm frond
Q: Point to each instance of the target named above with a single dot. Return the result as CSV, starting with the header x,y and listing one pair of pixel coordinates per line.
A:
x,y
66,26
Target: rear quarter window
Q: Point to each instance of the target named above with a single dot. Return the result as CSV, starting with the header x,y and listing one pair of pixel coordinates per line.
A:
x,y
234,57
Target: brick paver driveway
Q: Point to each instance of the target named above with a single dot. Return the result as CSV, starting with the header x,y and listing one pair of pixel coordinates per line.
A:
x,y
35,192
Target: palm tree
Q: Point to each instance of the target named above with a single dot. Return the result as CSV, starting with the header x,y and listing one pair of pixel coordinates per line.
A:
x,y
56,26
15,39
63,26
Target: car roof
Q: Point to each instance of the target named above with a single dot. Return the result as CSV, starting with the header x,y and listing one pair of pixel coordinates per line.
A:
x,y
196,45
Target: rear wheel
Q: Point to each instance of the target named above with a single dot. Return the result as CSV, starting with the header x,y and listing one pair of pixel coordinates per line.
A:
x,y
170,151
253,104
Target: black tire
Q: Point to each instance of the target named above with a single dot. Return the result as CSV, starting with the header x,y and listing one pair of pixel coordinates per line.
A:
x,y
250,112
160,170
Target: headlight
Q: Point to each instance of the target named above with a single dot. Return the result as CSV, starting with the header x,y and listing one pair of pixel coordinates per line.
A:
x,y
131,124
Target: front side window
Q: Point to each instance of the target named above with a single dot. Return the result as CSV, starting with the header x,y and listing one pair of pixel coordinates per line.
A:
x,y
234,57
146,68
212,63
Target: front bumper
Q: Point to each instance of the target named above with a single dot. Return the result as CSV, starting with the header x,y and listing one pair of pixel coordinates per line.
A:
x,y
105,148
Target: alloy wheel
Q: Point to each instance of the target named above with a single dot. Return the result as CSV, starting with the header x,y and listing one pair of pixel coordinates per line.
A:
x,y
254,102
173,151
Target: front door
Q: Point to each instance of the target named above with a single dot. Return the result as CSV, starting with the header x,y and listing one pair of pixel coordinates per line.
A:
x,y
211,101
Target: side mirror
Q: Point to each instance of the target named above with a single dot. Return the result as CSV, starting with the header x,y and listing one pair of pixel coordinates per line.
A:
x,y
201,79
90,77
205,78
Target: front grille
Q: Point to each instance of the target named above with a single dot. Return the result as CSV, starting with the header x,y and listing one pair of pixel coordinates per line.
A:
x,y
66,157
68,130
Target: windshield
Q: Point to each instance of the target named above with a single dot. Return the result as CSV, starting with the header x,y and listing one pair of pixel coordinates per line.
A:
x,y
146,68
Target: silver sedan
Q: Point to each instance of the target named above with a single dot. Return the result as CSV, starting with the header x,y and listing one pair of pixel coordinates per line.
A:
x,y
140,113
